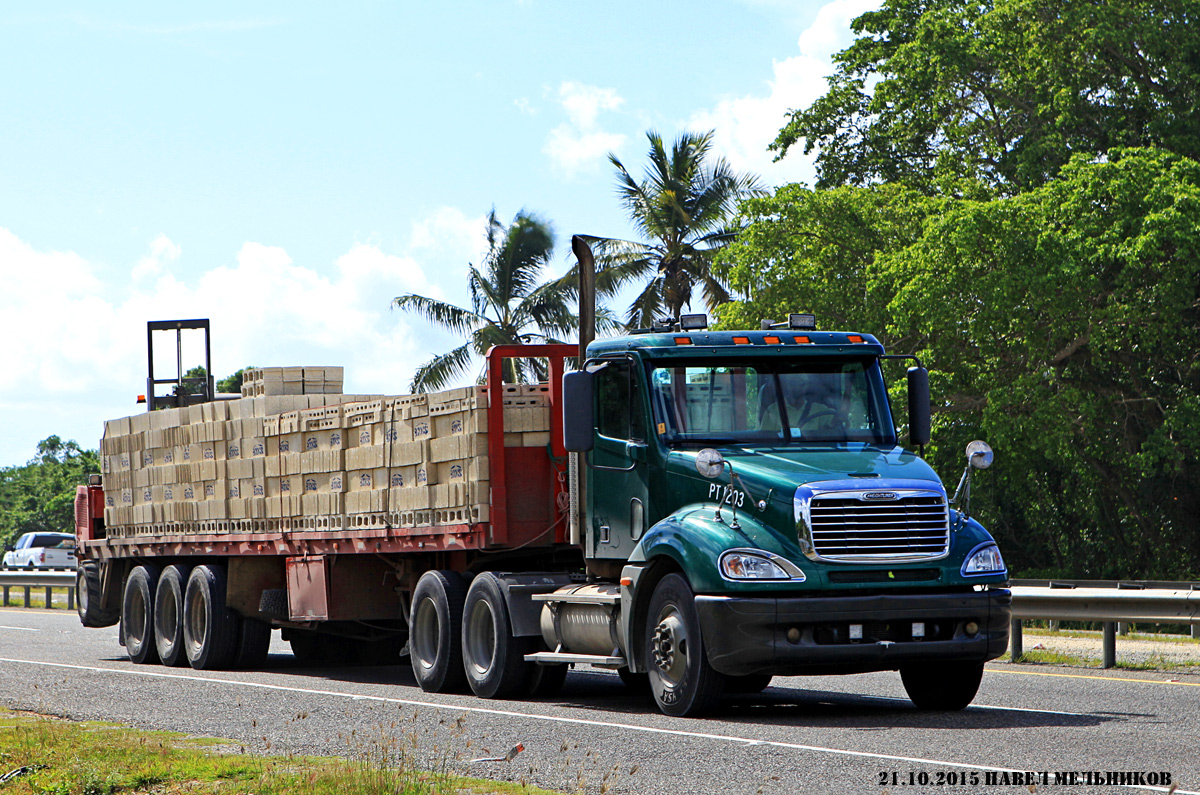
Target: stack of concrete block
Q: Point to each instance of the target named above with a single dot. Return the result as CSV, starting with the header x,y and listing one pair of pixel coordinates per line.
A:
x,y
278,381
320,462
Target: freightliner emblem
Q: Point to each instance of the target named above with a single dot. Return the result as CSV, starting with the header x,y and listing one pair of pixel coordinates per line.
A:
x,y
878,496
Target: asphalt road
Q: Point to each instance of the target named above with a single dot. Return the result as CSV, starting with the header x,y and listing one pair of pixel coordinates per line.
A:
x,y
802,735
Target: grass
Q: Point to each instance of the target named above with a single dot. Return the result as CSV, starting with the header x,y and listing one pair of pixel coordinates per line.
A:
x,y
89,758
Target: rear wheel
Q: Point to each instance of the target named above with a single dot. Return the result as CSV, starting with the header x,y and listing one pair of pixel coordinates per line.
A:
x,y
750,683
494,660
435,632
210,629
945,686
168,615
137,611
89,591
682,681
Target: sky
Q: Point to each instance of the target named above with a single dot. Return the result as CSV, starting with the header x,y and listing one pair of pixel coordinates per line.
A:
x,y
286,169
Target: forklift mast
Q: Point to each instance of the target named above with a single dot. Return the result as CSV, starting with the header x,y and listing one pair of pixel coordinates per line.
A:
x,y
182,394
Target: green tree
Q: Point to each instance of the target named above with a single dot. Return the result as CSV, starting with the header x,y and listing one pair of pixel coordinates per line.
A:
x,y
953,96
509,305
1062,325
232,384
682,208
40,495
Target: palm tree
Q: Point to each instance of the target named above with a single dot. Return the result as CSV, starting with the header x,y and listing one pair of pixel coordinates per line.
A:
x,y
683,208
508,305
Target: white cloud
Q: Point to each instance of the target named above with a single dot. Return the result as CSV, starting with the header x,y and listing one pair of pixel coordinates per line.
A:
x,y
77,329
457,238
579,144
747,125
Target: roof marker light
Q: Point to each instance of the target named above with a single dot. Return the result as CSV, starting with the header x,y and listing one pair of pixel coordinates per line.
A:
x,y
855,338
741,340
802,340
771,340
804,320
683,340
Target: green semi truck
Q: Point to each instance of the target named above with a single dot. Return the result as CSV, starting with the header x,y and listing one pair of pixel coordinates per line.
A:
x,y
710,509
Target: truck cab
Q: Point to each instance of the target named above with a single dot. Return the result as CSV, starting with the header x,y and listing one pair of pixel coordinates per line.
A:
x,y
757,479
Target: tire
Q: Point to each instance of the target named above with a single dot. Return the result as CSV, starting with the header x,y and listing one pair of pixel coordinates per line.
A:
x,y
681,680
89,591
750,683
168,616
435,632
254,641
946,686
494,660
210,629
308,647
638,682
547,680
137,612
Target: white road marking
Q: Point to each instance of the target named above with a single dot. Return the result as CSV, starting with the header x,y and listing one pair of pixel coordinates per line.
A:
x,y
22,629
726,738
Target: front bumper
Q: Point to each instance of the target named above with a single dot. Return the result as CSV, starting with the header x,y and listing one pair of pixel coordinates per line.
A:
x,y
792,636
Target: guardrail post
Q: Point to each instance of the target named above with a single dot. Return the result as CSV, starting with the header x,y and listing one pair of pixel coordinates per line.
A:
x,y
71,598
7,587
1110,644
26,596
49,597
1196,630
1015,641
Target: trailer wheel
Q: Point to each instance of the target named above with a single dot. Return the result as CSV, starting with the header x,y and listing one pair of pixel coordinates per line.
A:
x,y
137,611
682,681
168,616
494,660
254,641
210,629
944,686
89,591
434,632
308,647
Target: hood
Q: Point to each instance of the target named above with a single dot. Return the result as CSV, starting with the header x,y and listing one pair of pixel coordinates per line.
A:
x,y
788,467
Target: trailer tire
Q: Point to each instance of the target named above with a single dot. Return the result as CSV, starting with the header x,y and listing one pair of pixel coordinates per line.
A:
x,y
681,680
137,611
210,628
308,647
493,658
168,615
254,641
89,595
947,686
548,680
435,632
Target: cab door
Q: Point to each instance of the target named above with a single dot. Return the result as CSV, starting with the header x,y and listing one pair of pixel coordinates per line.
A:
x,y
618,471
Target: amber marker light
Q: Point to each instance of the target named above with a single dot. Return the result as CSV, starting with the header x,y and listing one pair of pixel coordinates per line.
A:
x,y
802,340
771,340
854,338
683,340
741,340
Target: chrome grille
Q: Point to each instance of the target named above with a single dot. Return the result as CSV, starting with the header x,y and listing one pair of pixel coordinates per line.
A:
x,y
847,526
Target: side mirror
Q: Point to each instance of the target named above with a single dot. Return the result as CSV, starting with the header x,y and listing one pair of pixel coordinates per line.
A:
x,y
918,406
579,419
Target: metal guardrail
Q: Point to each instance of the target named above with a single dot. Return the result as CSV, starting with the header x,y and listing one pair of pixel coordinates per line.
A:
x,y
28,579
1107,601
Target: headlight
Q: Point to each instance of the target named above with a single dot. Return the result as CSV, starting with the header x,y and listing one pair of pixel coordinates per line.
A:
x,y
746,564
985,559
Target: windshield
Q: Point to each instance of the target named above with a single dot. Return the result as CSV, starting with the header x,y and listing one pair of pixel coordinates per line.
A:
x,y
790,401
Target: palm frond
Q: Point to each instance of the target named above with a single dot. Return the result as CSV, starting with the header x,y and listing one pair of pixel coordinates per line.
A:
x,y
440,371
450,317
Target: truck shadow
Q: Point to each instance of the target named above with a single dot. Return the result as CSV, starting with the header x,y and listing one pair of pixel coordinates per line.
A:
x,y
600,693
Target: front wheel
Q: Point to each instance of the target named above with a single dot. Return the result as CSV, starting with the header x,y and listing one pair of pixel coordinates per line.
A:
x,y
944,686
682,681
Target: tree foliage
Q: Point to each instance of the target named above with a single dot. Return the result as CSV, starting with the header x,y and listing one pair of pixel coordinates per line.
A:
x,y
509,305
40,495
955,96
682,208
1062,325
